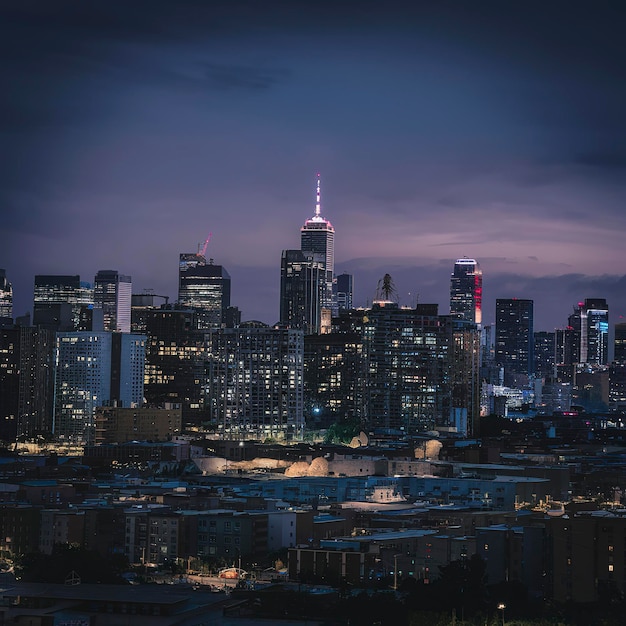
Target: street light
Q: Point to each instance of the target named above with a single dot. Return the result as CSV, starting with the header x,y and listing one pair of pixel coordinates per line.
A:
x,y
501,607
395,571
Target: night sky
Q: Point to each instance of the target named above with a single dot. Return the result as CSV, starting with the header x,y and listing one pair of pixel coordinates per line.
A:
x,y
130,129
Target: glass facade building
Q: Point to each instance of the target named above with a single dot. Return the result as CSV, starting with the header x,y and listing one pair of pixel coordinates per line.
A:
x,y
466,290
514,345
113,294
205,287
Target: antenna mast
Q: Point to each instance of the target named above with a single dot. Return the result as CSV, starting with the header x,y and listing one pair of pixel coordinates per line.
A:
x,y
318,198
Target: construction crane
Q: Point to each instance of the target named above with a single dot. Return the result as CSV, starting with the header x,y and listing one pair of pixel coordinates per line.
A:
x,y
203,246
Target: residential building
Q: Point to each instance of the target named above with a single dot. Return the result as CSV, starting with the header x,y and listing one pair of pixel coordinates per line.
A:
x,y
118,424
255,382
93,369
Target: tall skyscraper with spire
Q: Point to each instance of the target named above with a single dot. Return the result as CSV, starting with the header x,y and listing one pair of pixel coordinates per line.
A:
x,y
466,290
306,275
317,238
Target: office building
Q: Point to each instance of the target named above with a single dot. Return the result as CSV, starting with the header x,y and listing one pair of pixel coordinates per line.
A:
x,y
140,306
514,346
205,287
544,354
175,362
255,382
590,324
6,296
301,291
343,292
59,300
466,290
94,369
112,294
317,239
619,352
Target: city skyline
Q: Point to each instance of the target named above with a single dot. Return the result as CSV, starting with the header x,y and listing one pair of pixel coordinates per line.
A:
x,y
492,132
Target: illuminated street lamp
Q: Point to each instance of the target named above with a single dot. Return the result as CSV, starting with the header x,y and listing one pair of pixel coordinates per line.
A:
x,y
501,607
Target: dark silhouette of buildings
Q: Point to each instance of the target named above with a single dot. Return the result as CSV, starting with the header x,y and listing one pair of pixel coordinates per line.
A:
x,y
514,343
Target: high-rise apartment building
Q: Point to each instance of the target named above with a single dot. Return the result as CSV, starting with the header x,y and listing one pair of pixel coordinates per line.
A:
x,y
317,239
205,287
255,382
94,369
466,290
334,380
59,300
113,294
25,381
301,291
514,346
6,296
419,369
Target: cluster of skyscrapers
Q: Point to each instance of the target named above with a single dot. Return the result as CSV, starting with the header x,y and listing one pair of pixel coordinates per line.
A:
x,y
399,369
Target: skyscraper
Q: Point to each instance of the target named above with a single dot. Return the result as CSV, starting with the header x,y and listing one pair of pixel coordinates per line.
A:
x,y
93,369
343,291
176,358
204,287
301,286
545,354
514,349
620,342
58,300
590,322
317,239
112,294
466,290
6,296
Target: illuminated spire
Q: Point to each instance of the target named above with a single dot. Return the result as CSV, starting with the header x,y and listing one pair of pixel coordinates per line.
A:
x,y
318,201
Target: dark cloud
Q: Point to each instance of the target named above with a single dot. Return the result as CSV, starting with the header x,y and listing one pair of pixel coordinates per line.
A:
x,y
240,77
608,160
455,127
